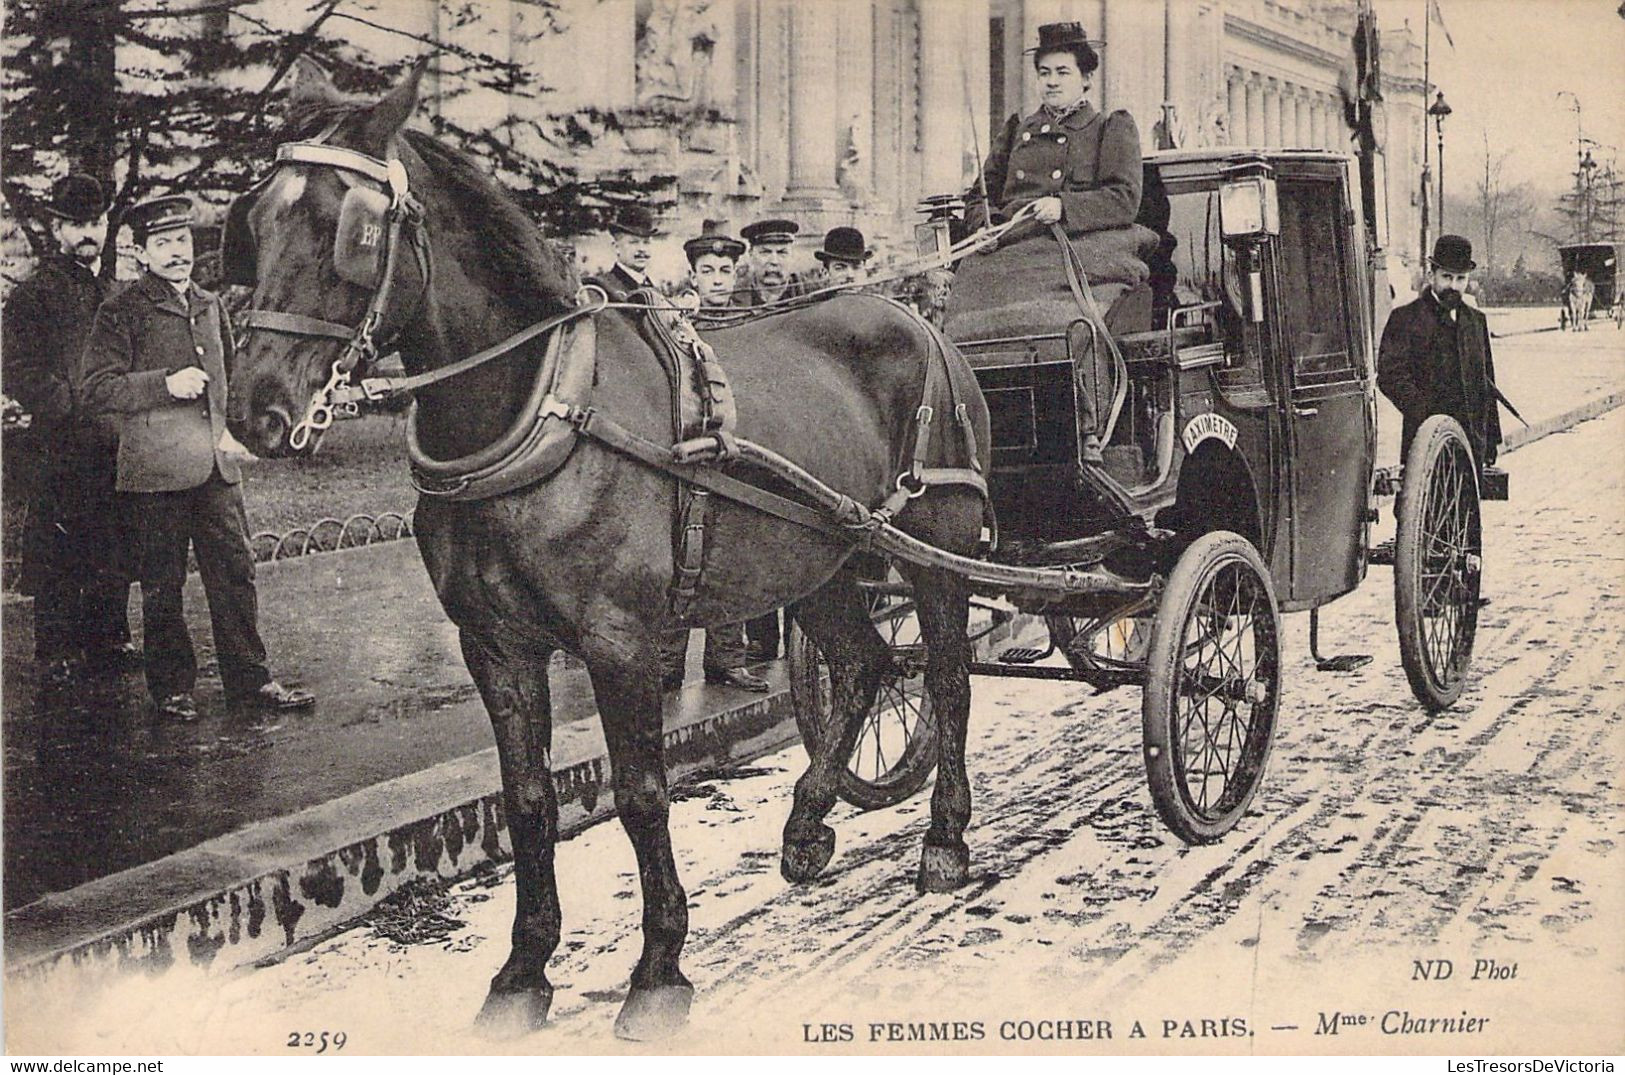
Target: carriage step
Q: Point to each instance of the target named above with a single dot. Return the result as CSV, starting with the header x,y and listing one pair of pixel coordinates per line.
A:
x,y
1343,662
1024,655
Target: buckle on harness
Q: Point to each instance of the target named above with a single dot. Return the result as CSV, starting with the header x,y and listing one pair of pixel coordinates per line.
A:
x,y
924,414
553,407
910,483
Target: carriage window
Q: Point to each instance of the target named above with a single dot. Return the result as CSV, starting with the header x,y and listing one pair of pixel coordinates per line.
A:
x,y
1205,270
1314,315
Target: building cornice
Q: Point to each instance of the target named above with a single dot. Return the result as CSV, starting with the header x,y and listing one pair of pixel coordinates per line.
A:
x,y
1273,39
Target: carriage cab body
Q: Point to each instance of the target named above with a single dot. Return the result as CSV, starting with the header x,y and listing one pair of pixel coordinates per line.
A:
x,y
1249,405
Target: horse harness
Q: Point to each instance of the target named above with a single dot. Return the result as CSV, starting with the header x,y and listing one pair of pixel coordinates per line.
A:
x,y
371,228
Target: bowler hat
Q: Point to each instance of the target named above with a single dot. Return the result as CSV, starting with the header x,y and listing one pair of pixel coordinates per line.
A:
x,y
769,231
1453,253
635,220
844,244
76,197
1063,37
163,213
722,246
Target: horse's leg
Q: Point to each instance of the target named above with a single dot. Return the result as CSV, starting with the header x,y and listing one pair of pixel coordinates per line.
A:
x,y
623,661
512,680
943,605
837,619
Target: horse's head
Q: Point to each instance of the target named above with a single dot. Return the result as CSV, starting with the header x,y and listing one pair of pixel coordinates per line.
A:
x,y
331,242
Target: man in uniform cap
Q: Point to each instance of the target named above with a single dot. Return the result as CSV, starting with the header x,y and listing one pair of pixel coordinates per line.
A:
x,y
771,279
633,231
1435,355
712,258
76,546
844,255
157,357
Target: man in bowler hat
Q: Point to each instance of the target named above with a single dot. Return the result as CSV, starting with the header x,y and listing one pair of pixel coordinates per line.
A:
x,y
633,231
712,259
76,544
157,358
844,255
1435,355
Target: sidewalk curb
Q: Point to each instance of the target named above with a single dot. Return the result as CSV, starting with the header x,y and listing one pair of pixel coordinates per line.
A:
x,y
251,895
1586,411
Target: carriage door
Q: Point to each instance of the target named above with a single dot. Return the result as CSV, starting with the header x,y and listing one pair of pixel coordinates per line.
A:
x,y
1330,454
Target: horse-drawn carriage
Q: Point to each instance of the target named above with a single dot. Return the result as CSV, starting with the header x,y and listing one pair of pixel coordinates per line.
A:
x,y
571,452
1239,483
1590,285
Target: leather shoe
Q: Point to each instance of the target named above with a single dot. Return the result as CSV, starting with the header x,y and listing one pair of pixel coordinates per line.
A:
x,y
274,695
177,706
738,677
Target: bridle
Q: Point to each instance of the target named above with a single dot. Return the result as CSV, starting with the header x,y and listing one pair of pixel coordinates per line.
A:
x,y
361,340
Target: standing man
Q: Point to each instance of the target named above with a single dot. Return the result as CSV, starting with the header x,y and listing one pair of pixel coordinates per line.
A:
x,y
1435,355
844,255
771,279
76,548
633,231
157,357
712,260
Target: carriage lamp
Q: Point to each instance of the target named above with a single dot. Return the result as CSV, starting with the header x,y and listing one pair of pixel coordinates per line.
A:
x,y
935,234
1249,208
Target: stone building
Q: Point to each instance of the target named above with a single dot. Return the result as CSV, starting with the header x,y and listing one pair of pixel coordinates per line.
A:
x,y
849,111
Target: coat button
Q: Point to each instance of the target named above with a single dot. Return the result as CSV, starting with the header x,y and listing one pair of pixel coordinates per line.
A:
x,y
1026,136
1055,174
1020,174
1044,129
1060,140
199,350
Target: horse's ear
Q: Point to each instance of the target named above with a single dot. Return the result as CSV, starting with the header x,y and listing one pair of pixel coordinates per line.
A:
x,y
310,81
390,114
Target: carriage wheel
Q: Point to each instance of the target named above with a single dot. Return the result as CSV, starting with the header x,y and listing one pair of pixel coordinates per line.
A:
x,y
1438,561
1213,685
897,748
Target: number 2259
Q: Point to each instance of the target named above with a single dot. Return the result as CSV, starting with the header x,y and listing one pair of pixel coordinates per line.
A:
x,y
319,1041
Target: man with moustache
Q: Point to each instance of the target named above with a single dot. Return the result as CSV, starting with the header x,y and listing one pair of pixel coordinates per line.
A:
x,y
157,358
844,255
771,279
1435,355
633,231
712,259
75,546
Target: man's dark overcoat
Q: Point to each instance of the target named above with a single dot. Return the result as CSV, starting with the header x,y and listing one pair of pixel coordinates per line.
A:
x,y
1430,364
140,337
63,462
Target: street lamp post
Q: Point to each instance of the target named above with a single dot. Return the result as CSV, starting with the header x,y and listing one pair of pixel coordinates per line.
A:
x,y
1439,110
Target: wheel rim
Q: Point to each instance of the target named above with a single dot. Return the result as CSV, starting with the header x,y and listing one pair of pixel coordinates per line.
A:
x,y
899,724
1225,691
1449,566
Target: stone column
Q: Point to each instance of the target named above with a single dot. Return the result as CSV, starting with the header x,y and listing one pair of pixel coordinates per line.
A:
x,y
1255,112
1306,107
1236,119
854,98
942,107
812,102
1272,113
1317,121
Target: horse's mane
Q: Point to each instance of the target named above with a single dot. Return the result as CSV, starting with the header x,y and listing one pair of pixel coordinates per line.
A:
x,y
518,263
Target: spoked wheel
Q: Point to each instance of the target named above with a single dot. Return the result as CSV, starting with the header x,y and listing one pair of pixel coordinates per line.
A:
x,y
1438,561
1213,685
897,747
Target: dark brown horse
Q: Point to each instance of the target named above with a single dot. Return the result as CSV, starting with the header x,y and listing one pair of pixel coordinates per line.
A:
x,y
582,562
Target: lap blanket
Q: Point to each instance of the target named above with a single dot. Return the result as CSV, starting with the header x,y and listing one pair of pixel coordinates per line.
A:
x,y
1021,287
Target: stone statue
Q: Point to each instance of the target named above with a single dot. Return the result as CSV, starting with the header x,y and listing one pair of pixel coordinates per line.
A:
x,y
675,47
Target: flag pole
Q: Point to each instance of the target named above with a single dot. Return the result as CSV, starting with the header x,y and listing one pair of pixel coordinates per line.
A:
x,y
1427,34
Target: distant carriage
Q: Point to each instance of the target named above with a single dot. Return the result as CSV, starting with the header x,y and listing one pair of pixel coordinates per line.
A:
x,y
1590,267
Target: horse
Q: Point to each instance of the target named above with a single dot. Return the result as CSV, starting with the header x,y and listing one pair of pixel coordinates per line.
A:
x,y
1577,298
581,562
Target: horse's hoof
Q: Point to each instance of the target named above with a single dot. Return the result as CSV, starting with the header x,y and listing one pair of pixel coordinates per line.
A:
x,y
654,1014
513,1015
804,859
943,869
